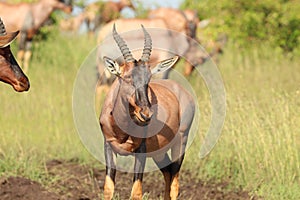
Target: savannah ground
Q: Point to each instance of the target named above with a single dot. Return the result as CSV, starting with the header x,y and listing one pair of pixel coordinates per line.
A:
x,y
257,155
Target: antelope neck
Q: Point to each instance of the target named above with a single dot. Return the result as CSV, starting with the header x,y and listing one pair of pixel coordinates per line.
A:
x,y
121,107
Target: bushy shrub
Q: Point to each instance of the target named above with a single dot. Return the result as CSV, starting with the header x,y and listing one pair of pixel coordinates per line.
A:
x,y
276,22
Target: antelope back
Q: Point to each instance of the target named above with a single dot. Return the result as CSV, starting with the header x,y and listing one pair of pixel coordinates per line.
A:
x,y
177,22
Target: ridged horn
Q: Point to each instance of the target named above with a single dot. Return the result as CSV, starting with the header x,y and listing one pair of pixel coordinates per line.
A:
x,y
147,46
122,46
2,28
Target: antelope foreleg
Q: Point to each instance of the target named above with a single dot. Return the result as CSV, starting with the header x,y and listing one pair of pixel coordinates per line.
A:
x,y
21,48
20,57
188,68
139,166
27,57
178,152
28,53
109,184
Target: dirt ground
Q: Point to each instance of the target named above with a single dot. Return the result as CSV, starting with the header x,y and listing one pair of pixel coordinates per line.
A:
x,y
76,182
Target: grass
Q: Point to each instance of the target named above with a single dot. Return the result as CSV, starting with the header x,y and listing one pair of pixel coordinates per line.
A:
x,y
259,149
259,146
38,125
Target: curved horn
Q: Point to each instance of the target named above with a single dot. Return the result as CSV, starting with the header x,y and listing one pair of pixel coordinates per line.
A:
x,y
147,46
2,28
122,46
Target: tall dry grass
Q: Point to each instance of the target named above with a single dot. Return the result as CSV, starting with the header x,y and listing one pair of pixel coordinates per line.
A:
x,y
259,148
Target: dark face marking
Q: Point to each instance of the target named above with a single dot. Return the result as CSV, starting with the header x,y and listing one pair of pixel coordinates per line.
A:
x,y
141,75
135,87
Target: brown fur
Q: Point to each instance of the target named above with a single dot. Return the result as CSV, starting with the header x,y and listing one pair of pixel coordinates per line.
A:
x,y
173,18
145,118
124,144
174,99
10,72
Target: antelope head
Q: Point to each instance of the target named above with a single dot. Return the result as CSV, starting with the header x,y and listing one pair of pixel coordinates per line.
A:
x,y
134,77
191,18
10,71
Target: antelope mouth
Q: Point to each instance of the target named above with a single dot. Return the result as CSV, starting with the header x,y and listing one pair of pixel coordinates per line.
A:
x,y
140,115
141,118
21,86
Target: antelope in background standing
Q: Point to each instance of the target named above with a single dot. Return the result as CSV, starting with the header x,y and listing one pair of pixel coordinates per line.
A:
x,y
99,13
184,21
131,113
28,18
10,72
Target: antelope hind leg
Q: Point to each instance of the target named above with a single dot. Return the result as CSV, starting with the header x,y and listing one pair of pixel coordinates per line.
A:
x,y
20,57
178,152
27,57
165,168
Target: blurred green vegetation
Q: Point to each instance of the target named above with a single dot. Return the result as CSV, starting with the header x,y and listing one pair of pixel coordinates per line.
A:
x,y
276,22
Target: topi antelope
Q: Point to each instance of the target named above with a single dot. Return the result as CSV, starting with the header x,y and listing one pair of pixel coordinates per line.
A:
x,y
10,71
144,118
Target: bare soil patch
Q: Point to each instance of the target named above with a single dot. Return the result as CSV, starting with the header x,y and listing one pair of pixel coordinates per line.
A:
x,y
76,182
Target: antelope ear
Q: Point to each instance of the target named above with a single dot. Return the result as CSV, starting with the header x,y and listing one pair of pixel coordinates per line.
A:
x,y
112,66
164,65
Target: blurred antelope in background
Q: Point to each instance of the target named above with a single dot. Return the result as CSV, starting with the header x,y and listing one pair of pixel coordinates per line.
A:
x,y
28,18
72,24
177,20
133,109
10,71
186,22
174,43
100,13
